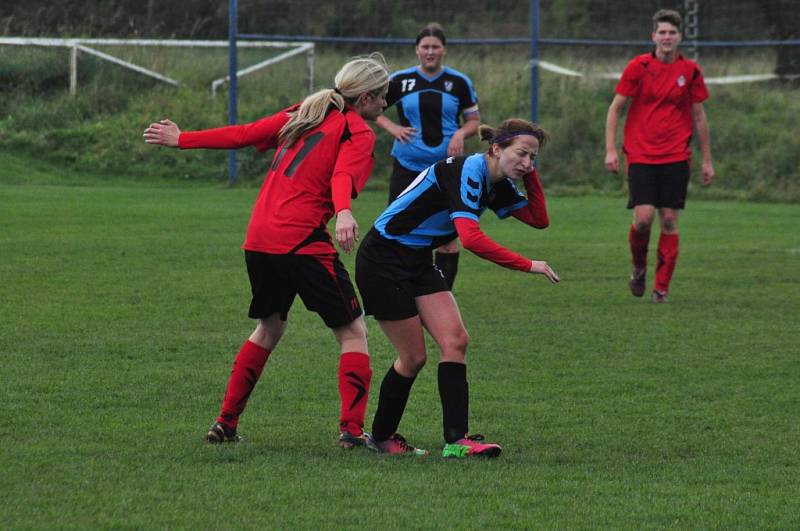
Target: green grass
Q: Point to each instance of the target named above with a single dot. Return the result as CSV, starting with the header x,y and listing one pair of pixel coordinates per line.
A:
x,y
122,307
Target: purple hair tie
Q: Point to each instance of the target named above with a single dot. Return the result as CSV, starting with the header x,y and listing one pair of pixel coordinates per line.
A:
x,y
509,136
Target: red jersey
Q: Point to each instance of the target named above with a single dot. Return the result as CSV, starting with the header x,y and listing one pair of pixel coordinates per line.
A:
x,y
296,202
659,125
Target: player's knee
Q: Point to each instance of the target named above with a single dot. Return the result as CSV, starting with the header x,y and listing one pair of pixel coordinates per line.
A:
x,y
669,224
353,332
358,328
267,338
457,342
642,224
416,362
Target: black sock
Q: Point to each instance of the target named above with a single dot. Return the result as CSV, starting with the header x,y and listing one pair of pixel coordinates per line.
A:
x,y
448,265
454,393
395,389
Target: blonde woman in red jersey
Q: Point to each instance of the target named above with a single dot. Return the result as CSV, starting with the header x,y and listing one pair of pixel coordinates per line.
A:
x,y
323,157
666,93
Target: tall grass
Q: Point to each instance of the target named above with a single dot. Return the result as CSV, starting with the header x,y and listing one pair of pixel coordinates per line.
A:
x,y
756,154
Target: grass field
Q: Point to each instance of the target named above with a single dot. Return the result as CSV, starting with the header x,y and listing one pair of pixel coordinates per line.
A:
x,y
122,307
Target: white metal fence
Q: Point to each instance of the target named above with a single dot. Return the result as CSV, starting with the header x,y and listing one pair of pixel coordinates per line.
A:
x,y
86,46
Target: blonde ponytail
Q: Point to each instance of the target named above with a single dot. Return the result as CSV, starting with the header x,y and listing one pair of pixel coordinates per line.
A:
x,y
357,76
310,114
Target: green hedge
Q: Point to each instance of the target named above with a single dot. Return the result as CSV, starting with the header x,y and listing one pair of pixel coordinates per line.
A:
x,y
755,146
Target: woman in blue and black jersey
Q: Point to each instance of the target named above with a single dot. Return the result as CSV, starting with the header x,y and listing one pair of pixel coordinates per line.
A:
x,y
431,100
405,292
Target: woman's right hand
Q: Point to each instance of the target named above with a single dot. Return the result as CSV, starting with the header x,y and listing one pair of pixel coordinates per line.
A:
x,y
164,133
612,161
346,230
541,268
403,134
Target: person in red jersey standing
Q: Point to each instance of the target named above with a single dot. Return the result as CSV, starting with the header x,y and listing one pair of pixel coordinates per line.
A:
x,y
666,93
323,157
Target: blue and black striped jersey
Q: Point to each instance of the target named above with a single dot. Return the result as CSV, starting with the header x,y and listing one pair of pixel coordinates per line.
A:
x,y
422,215
433,106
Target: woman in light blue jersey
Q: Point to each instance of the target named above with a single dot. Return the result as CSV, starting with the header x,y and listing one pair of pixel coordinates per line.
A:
x,y
437,108
407,295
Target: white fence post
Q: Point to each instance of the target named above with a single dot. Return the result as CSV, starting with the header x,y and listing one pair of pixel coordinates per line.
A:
x,y
73,70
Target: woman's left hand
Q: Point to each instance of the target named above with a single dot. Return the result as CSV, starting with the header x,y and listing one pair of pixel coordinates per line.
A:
x,y
456,146
346,230
543,268
708,173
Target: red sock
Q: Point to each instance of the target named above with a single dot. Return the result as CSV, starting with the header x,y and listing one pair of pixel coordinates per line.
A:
x,y
246,370
639,242
667,257
354,379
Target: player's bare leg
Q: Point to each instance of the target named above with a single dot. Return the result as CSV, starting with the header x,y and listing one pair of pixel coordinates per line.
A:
x,y
407,337
639,239
442,319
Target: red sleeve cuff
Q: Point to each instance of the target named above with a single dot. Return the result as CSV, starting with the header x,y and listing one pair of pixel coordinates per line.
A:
x,y
341,191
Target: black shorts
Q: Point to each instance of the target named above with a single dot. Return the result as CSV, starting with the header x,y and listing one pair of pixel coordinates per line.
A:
x,y
660,185
321,281
400,179
390,276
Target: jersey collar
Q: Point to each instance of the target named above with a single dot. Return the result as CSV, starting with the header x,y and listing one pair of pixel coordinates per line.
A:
x,y
422,73
653,55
